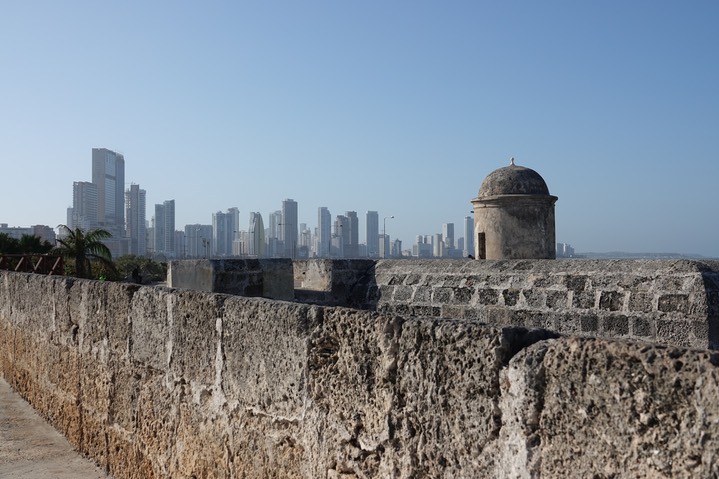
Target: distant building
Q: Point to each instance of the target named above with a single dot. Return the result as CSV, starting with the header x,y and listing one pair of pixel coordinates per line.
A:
x,y
372,234
438,244
384,246
108,175
164,229
448,235
324,232
352,245
257,246
289,228
198,241
397,248
136,224
84,206
564,250
342,232
468,236
274,243
224,230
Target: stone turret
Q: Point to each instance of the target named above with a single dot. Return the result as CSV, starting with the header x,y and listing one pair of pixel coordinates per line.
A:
x,y
514,216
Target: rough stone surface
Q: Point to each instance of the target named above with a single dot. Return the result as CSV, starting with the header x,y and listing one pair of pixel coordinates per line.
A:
x,y
267,278
669,302
157,382
610,409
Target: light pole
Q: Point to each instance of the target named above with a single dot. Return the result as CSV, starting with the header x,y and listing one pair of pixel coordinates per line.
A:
x,y
385,243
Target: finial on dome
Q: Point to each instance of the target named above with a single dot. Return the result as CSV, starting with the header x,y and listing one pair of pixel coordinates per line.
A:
x,y
512,161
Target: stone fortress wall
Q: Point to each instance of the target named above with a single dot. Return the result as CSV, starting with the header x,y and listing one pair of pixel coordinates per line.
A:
x,y
161,382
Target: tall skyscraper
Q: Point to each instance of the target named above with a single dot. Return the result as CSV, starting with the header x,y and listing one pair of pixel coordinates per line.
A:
x,y
84,206
198,241
135,224
108,175
324,232
352,246
257,236
448,235
164,229
225,227
342,233
438,244
274,244
289,228
468,236
372,234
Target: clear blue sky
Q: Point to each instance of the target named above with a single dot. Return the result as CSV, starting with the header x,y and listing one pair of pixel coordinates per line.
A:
x,y
402,107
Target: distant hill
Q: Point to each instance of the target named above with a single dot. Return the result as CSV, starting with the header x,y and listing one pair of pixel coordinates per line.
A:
x,y
625,255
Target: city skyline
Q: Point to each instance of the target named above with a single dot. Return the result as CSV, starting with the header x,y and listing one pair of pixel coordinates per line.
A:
x,y
399,108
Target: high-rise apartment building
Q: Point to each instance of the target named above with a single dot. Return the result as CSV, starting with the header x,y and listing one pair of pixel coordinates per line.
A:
x,y
164,229
135,224
438,246
198,241
289,228
84,206
274,249
342,234
468,236
257,247
352,246
324,232
225,227
448,235
372,234
108,175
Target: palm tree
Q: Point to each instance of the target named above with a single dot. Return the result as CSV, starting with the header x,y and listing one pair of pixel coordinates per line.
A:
x,y
85,246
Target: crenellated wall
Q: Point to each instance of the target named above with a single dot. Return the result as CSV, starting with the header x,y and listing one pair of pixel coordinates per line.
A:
x,y
155,382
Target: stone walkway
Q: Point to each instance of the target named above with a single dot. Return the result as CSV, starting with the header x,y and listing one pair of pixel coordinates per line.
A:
x,y
30,448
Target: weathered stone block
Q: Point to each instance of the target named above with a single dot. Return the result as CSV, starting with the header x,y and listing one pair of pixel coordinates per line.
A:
x,y
462,295
611,300
422,294
441,295
510,296
616,325
195,326
583,300
403,293
664,398
641,327
641,302
673,303
576,283
487,296
556,299
589,323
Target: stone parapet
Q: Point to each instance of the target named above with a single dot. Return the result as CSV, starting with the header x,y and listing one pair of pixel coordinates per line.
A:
x,y
669,302
267,278
158,382
333,282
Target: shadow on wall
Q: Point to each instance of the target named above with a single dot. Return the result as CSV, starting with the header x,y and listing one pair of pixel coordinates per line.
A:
x,y
711,287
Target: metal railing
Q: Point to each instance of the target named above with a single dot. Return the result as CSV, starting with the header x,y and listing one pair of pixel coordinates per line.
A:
x,y
33,263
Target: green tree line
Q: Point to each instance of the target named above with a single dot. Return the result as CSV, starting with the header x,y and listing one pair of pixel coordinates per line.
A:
x,y
86,256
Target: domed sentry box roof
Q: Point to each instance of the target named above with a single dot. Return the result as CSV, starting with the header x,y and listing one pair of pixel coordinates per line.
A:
x,y
513,180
